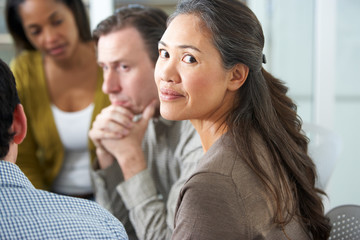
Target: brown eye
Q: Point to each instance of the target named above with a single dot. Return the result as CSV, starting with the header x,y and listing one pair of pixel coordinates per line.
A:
x,y
189,59
163,53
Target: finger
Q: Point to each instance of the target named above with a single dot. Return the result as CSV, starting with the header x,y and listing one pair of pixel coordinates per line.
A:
x,y
114,127
116,111
108,123
97,135
110,117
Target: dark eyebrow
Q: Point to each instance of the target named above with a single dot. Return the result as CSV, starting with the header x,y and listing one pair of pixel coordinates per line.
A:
x,y
182,46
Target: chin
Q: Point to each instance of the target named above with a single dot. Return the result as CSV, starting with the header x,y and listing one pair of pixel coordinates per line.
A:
x,y
170,114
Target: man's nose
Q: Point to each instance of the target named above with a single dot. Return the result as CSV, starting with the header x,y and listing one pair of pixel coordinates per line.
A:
x,y
111,82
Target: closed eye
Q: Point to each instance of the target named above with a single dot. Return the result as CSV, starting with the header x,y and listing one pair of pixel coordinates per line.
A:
x,y
57,22
35,31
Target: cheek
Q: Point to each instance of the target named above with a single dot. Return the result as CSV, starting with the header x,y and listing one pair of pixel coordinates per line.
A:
x,y
142,86
198,87
73,33
208,89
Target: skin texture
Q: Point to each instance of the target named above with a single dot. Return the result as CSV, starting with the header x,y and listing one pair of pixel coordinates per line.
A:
x,y
70,64
129,81
189,73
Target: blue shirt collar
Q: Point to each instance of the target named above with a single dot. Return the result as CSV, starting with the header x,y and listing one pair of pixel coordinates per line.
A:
x,y
12,176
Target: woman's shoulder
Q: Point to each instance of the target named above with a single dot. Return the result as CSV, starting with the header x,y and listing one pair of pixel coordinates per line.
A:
x,y
225,161
27,56
220,157
25,62
28,72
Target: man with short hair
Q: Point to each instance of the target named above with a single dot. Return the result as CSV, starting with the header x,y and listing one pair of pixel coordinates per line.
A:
x,y
144,160
29,213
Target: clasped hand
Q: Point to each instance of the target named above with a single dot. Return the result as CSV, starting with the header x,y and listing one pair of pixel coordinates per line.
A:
x,y
117,136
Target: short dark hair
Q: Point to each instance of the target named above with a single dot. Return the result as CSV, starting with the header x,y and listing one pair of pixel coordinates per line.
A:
x,y
8,101
149,21
15,27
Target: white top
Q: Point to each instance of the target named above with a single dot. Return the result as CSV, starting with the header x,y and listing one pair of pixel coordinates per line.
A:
x,y
73,127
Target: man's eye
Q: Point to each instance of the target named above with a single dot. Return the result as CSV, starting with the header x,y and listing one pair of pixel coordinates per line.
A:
x,y
104,67
163,53
123,67
189,59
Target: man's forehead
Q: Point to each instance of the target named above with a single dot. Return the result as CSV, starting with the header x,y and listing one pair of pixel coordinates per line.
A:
x,y
121,45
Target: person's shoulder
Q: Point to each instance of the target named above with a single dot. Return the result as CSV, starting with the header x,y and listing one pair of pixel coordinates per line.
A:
x,y
56,204
205,184
25,62
220,157
72,203
26,56
50,212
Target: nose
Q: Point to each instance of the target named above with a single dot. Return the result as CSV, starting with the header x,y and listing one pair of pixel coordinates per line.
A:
x,y
167,70
111,82
49,35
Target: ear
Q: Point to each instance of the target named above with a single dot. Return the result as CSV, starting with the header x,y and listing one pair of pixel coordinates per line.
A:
x,y
238,76
19,125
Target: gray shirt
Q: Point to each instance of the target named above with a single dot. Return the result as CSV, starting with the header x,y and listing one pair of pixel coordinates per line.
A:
x,y
146,202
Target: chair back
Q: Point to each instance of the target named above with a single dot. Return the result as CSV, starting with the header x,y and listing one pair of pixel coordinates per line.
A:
x,y
345,222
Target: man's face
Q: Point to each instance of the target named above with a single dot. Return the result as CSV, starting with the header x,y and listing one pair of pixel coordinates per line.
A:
x,y
128,69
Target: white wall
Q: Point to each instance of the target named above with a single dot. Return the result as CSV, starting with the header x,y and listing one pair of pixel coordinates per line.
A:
x,y
314,46
99,10
344,186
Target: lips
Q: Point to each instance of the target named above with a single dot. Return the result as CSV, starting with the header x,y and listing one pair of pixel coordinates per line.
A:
x,y
58,50
119,101
167,94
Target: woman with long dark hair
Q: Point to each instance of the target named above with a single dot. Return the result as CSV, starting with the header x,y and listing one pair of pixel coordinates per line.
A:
x,y
256,179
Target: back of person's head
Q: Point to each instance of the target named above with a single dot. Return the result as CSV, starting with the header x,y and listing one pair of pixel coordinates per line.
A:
x,y
149,21
8,101
262,107
15,27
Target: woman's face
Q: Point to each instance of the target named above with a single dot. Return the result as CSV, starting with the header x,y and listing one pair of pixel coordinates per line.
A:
x,y
50,26
191,80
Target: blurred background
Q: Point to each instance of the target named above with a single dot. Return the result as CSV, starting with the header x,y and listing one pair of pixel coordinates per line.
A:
x,y
314,47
